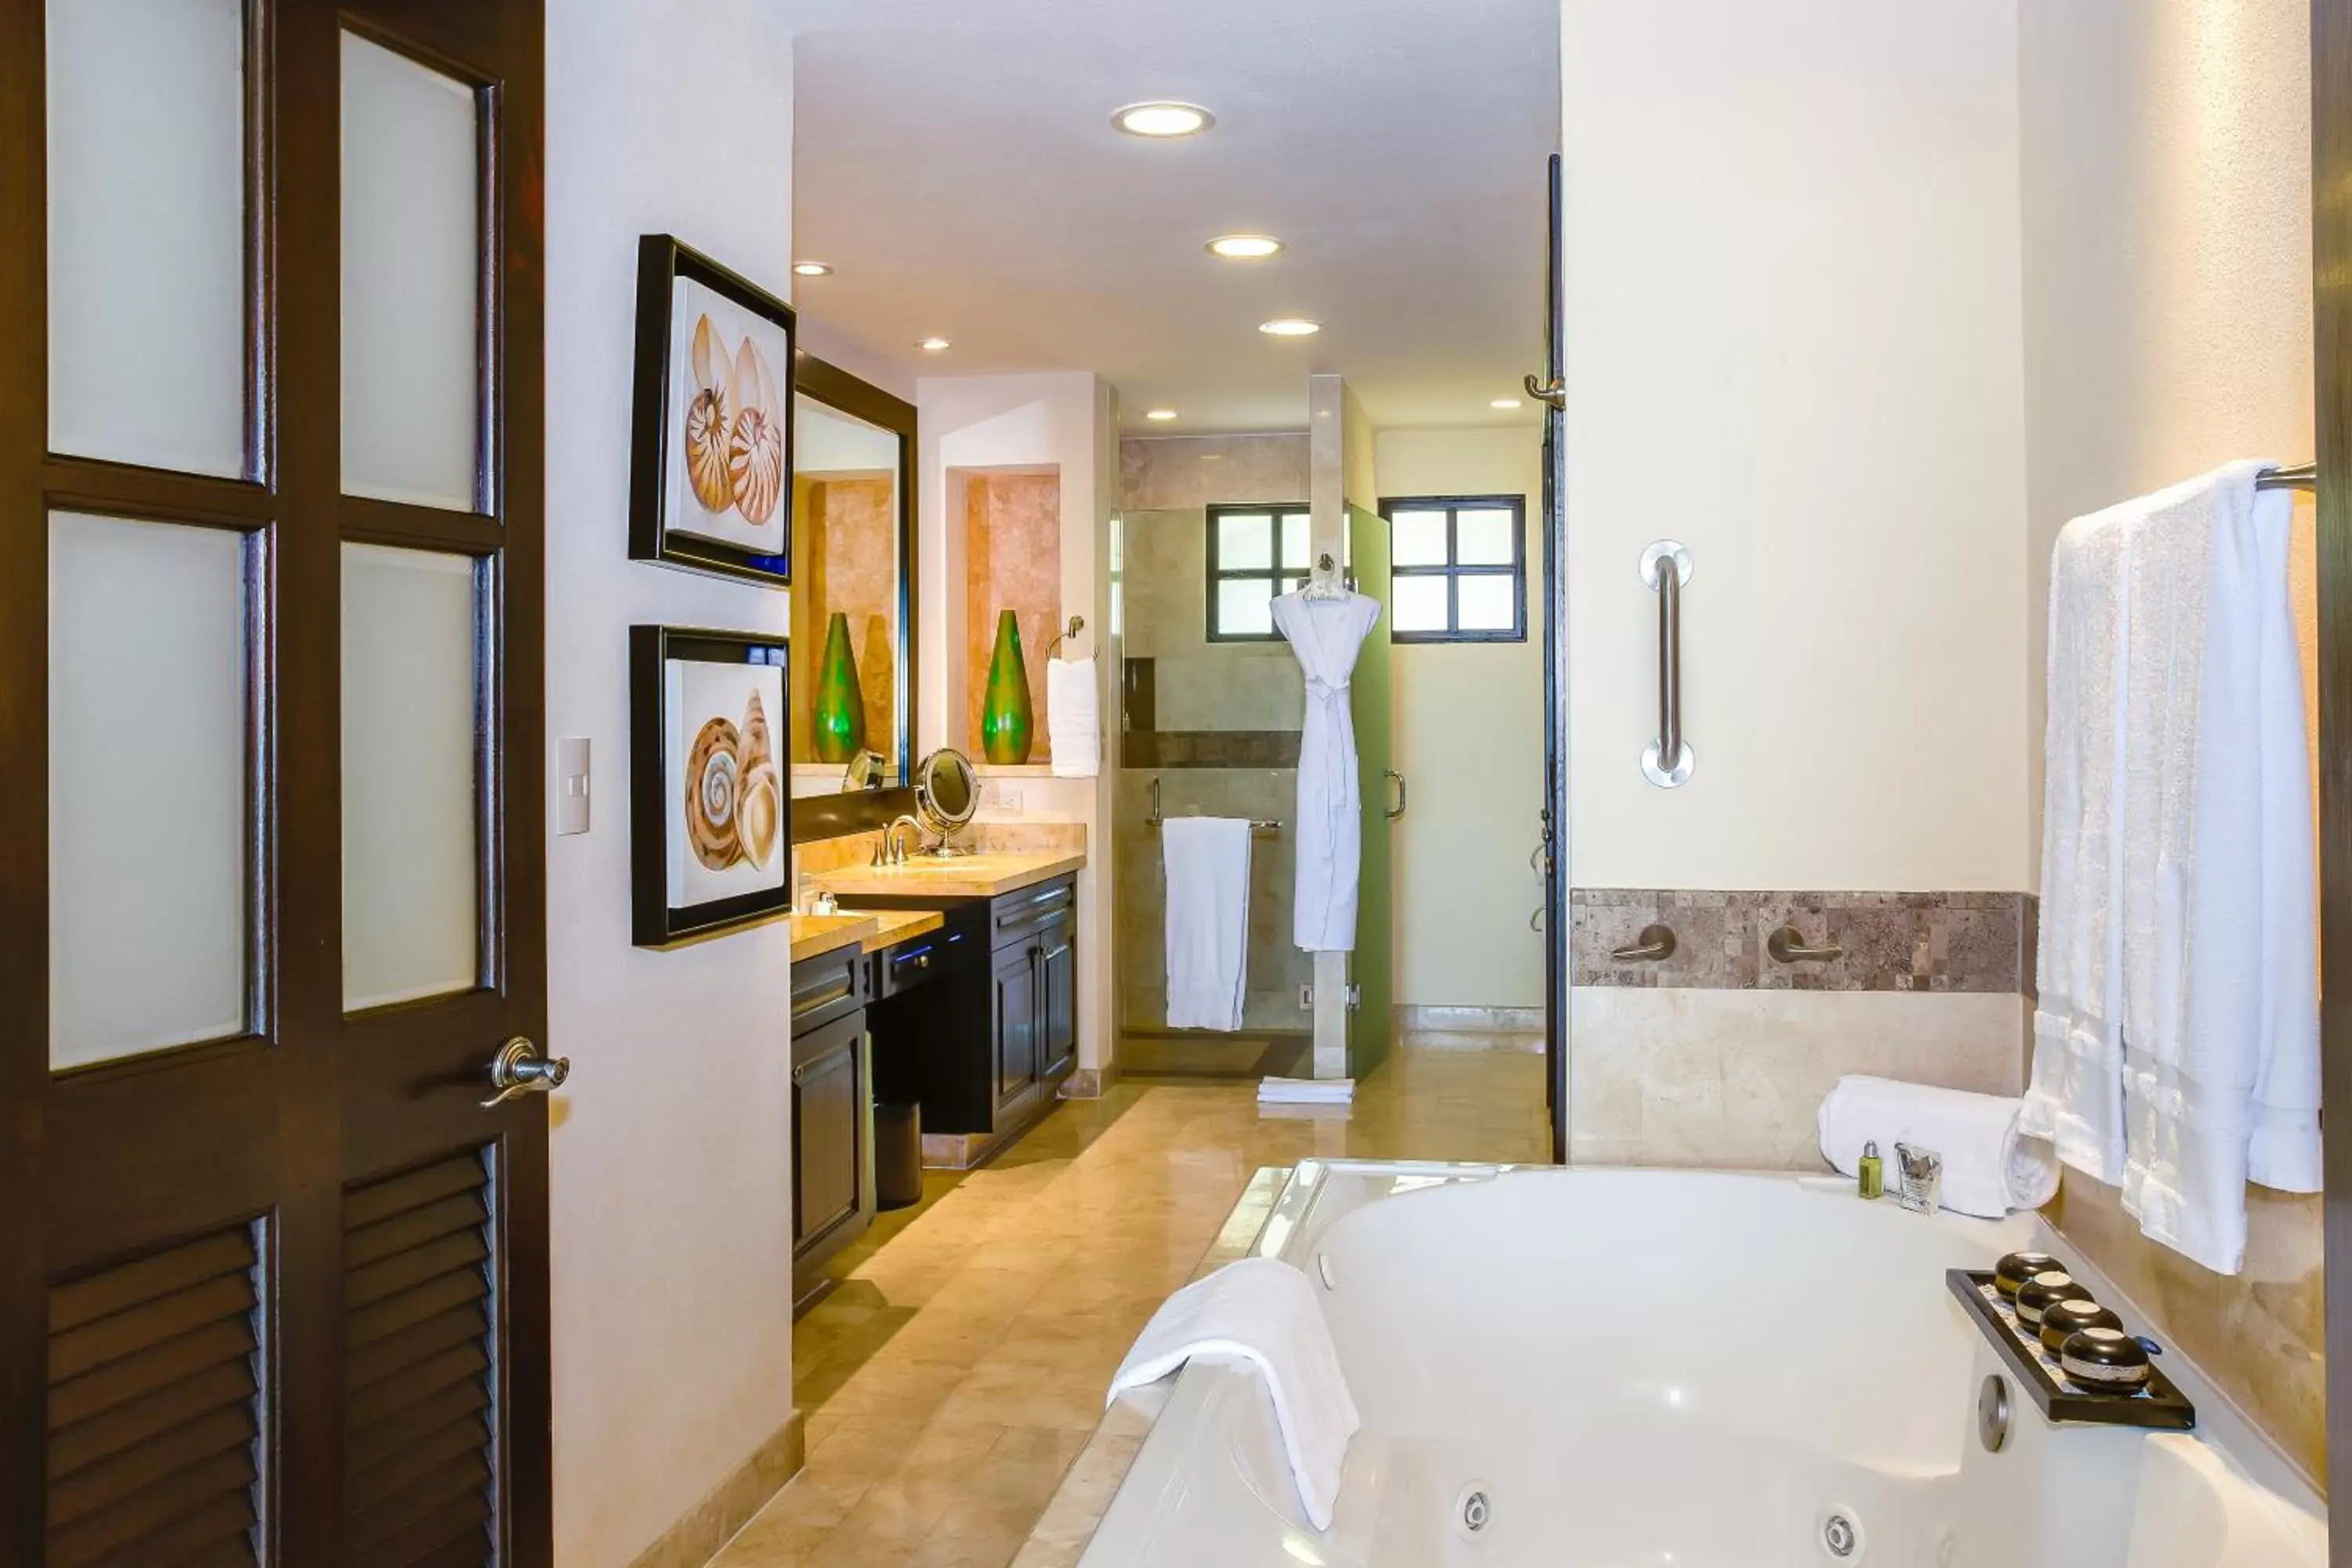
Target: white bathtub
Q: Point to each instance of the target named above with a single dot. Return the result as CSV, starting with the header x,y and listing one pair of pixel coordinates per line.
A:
x,y
1692,1369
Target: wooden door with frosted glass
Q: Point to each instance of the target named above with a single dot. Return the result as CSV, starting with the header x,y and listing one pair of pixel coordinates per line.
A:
x,y
273,1277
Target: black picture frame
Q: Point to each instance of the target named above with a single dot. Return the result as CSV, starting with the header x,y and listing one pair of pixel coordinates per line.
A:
x,y
657,533
658,829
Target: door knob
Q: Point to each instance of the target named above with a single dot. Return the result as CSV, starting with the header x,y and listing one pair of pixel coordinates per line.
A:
x,y
520,1069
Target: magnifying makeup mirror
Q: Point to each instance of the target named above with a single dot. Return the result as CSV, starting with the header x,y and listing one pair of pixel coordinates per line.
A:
x,y
947,795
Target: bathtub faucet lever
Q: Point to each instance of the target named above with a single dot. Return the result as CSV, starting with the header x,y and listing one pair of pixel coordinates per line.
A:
x,y
1656,944
1788,945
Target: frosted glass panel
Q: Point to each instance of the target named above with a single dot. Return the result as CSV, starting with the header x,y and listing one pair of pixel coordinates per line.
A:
x,y
1484,538
412,281
146,203
148,791
1244,541
1294,539
411,867
1488,603
1418,538
1419,604
1245,607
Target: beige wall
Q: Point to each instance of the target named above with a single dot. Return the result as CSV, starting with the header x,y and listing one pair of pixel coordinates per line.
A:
x,y
2169,328
1793,327
1469,735
1065,422
671,1158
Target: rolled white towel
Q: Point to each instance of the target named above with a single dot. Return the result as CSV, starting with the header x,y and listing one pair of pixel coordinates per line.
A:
x,y
1990,1167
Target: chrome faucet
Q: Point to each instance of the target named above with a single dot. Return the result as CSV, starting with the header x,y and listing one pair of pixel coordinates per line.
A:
x,y
889,852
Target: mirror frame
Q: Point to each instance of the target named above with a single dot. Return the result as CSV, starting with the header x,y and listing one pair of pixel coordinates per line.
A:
x,y
832,815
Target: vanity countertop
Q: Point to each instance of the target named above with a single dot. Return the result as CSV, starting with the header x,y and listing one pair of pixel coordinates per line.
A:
x,y
986,875
817,935
895,926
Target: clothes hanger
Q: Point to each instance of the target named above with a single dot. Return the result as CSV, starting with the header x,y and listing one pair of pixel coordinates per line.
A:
x,y
1326,583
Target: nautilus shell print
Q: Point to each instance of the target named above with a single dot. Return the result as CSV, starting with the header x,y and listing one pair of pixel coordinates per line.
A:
x,y
734,803
710,422
755,455
734,431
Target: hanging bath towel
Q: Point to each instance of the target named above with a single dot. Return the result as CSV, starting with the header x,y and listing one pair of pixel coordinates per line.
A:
x,y
1325,634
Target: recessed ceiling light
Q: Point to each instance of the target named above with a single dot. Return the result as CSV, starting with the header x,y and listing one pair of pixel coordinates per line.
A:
x,y
933,345
1503,402
1245,246
812,268
1290,327
1162,413
1163,119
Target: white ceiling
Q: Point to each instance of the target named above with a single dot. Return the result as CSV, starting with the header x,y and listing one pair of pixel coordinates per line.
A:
x,y
954,159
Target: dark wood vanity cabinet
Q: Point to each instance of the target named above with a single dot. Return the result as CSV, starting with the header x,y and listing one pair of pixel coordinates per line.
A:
x,y
983,1046
832,1156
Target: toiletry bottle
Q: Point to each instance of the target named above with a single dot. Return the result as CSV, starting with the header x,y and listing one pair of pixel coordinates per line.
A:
x,y
1872,1179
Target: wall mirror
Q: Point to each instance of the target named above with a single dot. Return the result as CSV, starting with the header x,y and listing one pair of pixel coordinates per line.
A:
x,y
853,601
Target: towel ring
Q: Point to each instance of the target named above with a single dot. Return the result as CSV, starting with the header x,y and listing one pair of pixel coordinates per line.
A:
x,y
1078,623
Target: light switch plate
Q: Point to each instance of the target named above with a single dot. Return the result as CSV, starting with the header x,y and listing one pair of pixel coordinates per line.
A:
x,y
570,786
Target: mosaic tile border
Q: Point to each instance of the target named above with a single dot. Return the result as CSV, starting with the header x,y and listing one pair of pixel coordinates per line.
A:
x,y
1894,942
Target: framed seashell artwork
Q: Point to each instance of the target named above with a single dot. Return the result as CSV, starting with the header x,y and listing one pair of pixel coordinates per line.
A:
x,y
710,455
710,826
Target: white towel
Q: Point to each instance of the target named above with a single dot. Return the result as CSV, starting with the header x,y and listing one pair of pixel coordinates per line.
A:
x,y
2075,1098
1990,1166
1263,1311
1305,1091
1073,718
2220,1012
1208,865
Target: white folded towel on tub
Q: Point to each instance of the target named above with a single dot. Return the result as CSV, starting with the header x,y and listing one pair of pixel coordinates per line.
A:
x,y
1990,1167
1261,1312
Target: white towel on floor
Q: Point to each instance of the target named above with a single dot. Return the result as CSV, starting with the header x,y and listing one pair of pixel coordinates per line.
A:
x,y
1990,1167
2219,962
1305,1091
1263,1311
1073,718
1208,866
2075,1098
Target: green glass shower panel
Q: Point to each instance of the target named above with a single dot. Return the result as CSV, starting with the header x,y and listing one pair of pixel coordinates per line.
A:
x,y
1372,966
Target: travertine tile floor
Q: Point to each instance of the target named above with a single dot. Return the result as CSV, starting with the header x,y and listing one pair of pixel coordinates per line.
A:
x,y
959,1370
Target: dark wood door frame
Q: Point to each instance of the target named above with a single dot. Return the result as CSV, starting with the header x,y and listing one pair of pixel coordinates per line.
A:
x,y
2331,233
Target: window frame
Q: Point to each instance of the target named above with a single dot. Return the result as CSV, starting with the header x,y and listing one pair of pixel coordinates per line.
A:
x,y
1275,574
1454,570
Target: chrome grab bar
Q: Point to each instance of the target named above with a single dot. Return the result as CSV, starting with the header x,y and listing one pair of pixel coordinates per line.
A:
x,y
1667,761
1656,944
1262,829
1787,945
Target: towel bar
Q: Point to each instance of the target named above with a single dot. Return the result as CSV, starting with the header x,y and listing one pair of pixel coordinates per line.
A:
x,y
1262,829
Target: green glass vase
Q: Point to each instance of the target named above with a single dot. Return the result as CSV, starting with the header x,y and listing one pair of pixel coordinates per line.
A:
x,y
838,730
1005,721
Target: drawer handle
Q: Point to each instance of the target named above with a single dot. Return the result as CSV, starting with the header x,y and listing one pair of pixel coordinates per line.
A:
x,y
831,993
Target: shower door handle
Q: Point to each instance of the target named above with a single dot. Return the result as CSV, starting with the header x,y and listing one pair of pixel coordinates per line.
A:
x,y
1398,779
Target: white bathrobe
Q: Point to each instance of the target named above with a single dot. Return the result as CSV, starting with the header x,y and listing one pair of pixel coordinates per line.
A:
x,y
1326,635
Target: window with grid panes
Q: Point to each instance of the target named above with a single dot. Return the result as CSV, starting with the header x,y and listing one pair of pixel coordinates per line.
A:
x,y
1459,568
1255,553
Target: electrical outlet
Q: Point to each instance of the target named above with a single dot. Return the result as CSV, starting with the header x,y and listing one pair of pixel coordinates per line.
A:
x,y
1306,998
1008,796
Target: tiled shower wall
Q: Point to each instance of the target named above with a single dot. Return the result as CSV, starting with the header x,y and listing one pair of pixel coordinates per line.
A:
x,y
1214,726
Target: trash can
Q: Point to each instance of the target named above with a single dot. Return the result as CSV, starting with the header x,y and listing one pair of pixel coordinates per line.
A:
x,y
897,1156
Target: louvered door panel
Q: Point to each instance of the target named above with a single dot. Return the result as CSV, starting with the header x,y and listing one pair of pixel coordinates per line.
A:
x,y
155,1409
419,1281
